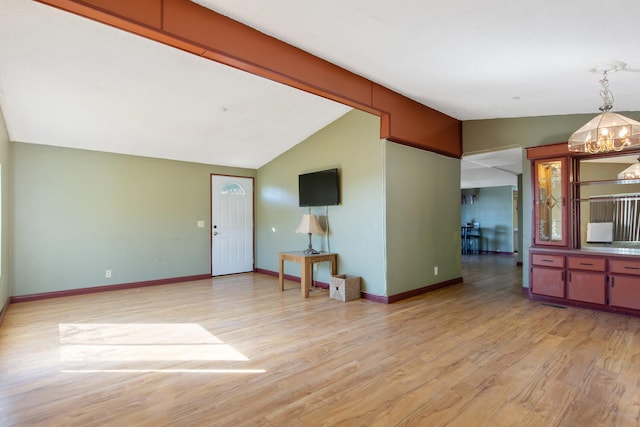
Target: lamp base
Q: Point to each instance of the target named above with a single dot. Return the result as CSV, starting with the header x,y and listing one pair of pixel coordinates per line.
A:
x,y
310,250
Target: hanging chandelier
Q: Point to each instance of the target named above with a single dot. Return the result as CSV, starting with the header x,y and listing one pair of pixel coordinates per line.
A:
x,y
607,131
632,172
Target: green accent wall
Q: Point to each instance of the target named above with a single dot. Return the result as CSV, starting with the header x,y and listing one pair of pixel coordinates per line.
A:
x,y
68,215
398,219
77,213
356,226
5,209
423,218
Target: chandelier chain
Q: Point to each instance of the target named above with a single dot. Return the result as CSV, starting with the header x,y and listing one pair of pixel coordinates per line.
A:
x,y
608,131
605,93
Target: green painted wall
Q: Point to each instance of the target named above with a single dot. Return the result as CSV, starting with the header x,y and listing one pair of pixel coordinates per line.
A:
x,y
5,210
483,135
356,226
494,210
423,218
77,213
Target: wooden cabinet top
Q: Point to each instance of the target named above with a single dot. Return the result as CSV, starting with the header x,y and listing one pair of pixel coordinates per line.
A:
x,y
596,251
551,150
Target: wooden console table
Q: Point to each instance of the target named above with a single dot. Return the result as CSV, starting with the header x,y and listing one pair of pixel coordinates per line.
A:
x,y
306,262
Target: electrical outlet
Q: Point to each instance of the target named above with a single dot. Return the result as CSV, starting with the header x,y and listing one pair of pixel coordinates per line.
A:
x,y
107,274
435,270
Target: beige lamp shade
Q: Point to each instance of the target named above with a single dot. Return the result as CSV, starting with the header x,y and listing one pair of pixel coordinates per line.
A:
x,y
310,225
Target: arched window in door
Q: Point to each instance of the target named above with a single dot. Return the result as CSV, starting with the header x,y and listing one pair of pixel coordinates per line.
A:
x,y
232,189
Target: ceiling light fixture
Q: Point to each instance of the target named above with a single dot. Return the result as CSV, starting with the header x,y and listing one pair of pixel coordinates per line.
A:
x,y
632,172
607,131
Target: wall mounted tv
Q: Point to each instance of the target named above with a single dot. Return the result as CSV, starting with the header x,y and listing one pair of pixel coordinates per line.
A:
x,y
319,188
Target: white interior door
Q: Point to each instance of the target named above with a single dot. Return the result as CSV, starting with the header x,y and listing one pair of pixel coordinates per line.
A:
x,y
231,224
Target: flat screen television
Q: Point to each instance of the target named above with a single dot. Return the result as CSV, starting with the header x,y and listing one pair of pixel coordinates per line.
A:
x,y
319,188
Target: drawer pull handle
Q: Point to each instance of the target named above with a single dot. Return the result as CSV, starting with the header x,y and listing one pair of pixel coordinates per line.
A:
x,y
631,268
586,263
547,260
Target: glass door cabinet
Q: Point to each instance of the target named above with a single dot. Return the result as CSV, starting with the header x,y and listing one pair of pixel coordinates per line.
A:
x,y
550,202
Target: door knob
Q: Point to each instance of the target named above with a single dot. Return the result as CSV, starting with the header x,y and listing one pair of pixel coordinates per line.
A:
x,y
215,233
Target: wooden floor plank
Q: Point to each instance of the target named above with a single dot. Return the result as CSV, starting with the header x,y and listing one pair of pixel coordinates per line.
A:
x,y
236,351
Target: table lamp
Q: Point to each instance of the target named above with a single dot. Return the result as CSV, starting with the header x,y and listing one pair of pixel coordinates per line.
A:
x,y
310,225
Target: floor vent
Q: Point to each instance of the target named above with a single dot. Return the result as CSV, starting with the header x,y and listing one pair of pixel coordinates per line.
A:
x,y
554,305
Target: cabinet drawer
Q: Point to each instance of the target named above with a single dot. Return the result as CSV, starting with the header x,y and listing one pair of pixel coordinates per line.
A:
x,y
547,260
586,286
586,263
625,266
625,292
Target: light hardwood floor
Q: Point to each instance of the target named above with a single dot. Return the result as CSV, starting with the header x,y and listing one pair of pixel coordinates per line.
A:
x,y
235,351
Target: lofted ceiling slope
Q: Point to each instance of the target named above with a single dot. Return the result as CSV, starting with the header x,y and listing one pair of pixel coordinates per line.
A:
x,y
72,82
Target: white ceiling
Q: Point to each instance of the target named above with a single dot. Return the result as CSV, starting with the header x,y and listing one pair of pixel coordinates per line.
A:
x,y
68,81
468,59
71,82
492,168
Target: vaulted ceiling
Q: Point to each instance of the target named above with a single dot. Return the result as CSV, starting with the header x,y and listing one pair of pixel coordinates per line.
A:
x,y
69,81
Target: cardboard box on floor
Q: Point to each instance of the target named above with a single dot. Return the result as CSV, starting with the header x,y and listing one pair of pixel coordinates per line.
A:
x,y
344,287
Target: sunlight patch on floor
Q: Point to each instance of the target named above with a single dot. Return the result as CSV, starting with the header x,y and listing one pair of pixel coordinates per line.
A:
x,y
135,333
144,342
167,371
148,352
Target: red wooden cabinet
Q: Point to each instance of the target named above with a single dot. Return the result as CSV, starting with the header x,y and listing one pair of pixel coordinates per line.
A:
x,y
609,281
547,281
550,188
547,275
587,287
587,280
624,290
567,266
